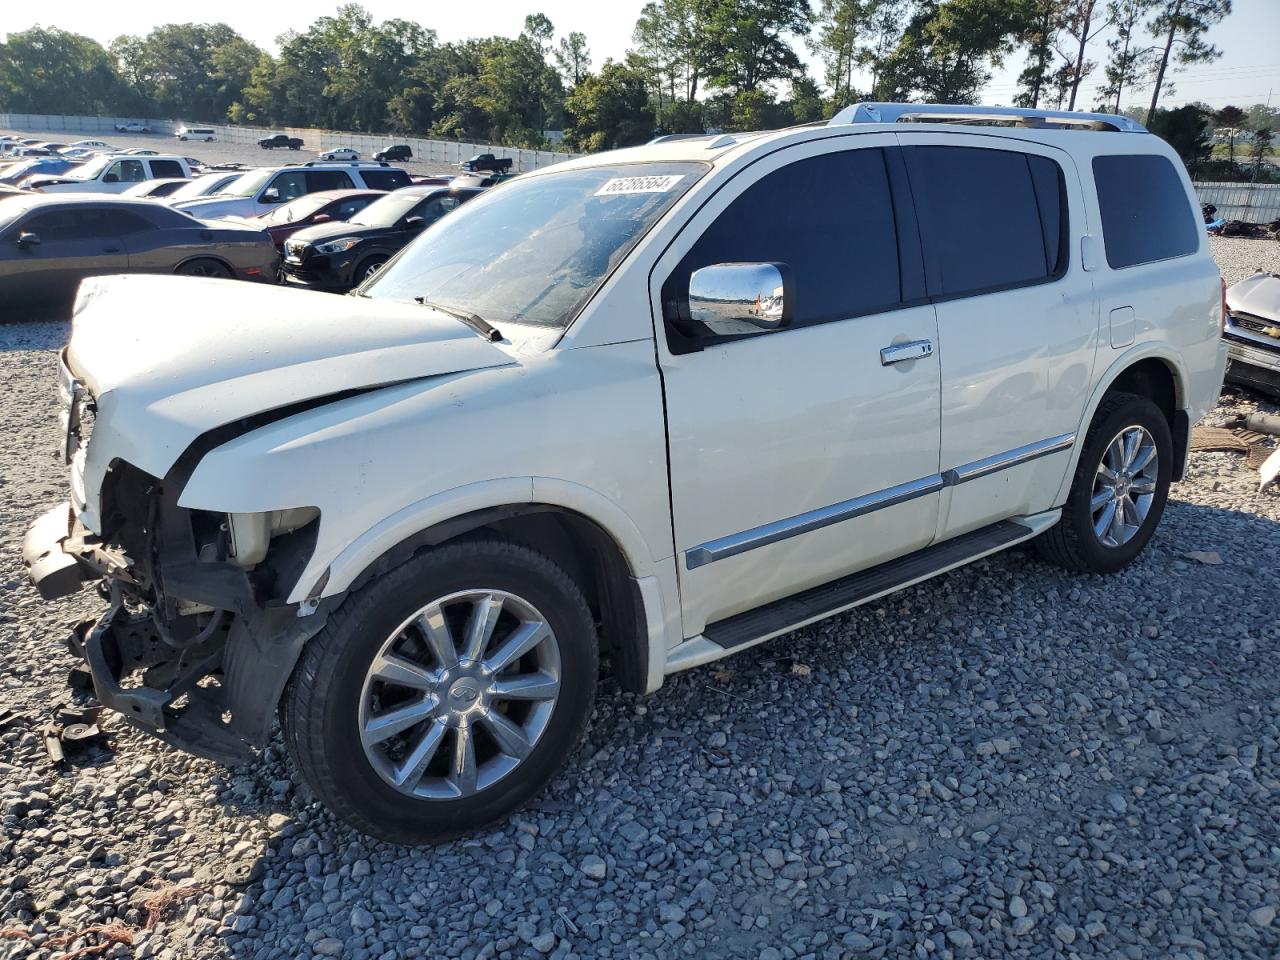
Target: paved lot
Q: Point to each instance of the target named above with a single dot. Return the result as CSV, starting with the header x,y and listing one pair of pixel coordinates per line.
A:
x,y
215,152
1006,761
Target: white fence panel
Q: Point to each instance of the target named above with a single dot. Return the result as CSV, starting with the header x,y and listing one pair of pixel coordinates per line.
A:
x,y
1255,202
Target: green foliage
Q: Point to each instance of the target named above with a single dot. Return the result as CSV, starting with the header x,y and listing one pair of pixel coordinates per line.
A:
x,y
1129,60
748,46
948,48
1188,130
609,109
1180,27
48,70
187,70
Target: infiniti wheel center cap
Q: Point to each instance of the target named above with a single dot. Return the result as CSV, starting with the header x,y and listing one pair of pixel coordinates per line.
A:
x,y
464,693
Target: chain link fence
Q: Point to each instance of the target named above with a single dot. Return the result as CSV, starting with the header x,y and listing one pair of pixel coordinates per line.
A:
x,y
1254,202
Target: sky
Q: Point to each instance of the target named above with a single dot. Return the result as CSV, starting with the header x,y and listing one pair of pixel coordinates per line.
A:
x,y
1246,74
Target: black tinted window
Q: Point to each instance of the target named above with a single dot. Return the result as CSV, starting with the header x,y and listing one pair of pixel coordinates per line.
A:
x,y
988,218
121,222
328,180
1145,213
385,179
828,218
54,225
164,169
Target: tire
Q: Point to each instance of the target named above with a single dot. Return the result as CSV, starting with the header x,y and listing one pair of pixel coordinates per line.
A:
x,y
333,696
366,269
183,139
1075,541
203,267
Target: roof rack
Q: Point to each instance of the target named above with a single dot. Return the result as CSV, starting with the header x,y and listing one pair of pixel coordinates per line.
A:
x,y
1026,117
347,163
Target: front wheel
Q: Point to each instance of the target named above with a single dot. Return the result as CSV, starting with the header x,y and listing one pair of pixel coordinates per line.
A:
x,y
1119,490
367,269
203,267
444,694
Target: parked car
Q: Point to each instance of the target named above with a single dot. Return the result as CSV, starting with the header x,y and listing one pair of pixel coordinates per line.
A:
x,y
206,185
94,144
112,174
49,244
399,151
78,153
258,191
207,134
339,256
280,141
1252,332
155,189
339,153
15,173
52,146
140,152
327,206
486,162
132,126
669,401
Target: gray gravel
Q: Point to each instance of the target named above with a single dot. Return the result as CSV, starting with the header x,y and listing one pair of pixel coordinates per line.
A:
x,y
1005,761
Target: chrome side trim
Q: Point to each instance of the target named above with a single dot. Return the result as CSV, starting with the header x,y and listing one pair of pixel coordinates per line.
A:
x,y
768,533
737,543
1010,458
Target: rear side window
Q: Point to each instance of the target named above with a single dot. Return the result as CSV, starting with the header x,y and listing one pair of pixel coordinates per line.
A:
x,y
1145,213
989,219
328,180
385,179
829,218
166,169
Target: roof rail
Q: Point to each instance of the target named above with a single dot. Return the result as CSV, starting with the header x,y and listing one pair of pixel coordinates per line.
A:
x,y
966,114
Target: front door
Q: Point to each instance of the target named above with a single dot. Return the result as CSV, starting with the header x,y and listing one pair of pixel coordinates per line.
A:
x,y
800,455
74,242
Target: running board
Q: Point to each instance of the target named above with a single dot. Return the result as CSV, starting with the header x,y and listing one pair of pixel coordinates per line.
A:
x,y
817,603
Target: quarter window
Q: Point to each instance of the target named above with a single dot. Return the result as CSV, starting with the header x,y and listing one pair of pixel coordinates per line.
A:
x,y
989,219
328,180
166,169
1145,213
385,179
828,218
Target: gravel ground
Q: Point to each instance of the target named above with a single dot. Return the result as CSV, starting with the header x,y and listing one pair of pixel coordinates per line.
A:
x,y
216,152
1005,761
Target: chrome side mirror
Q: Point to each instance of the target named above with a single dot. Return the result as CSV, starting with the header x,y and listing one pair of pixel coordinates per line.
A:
x,y
731,299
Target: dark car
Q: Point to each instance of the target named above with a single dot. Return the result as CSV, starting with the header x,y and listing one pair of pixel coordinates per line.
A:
x,y
280,140
339,256
486,162
399,151
327,206
49,243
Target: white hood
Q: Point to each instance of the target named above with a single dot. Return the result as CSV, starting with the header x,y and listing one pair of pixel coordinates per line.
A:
x,y
1258,295
214,207
170,358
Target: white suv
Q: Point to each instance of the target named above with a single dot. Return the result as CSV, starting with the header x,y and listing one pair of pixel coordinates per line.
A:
x,y
658,404
258,191
112,173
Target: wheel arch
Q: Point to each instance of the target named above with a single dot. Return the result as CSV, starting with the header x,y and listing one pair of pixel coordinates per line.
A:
x,y
204,256
1154,371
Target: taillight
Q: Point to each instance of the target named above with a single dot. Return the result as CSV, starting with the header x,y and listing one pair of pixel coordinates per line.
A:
x,y
1222,317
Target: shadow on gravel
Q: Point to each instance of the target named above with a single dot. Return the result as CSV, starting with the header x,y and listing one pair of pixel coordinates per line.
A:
x,y
1003,761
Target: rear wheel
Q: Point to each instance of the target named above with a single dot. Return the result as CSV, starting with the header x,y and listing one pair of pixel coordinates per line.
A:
x,y
444,694
1119,491
203,267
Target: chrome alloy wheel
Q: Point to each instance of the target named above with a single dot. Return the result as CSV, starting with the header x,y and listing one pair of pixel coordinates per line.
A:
x,y
1124,486
459,694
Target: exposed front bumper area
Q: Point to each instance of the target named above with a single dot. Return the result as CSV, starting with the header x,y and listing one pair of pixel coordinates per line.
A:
x,y
1254,366
54,572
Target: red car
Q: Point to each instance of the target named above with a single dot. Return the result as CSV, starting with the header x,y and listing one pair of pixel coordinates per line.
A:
x,y
326,206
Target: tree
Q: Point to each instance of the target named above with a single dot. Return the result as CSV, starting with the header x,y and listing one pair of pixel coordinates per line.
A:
x,y
609,110
1262,138
673,40
1187,129
189,70
1233,118
1181,26
539,29
573,58
1041,21
48,70
1128,61
838,28
947,50
1081,23
1261,115
747,41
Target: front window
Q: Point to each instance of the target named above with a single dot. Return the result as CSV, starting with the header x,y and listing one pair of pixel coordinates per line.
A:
x,y
91,169
386,212
296,210
248,185
534,250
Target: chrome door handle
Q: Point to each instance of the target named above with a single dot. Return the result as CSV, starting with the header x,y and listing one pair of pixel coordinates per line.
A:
x,y
900,352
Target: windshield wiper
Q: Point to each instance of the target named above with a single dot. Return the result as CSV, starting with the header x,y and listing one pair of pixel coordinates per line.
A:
x,y
477,323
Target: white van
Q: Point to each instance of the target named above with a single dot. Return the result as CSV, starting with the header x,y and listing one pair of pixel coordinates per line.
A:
x,y
207,134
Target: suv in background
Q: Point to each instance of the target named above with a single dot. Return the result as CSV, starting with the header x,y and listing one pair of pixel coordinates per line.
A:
x,y
399,151
113,173
666,402
258,191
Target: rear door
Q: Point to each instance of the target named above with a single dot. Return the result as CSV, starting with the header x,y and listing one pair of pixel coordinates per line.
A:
x,y
123,174
1000,223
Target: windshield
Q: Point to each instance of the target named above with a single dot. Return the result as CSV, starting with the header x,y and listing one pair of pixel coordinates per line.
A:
x,y
535,249
92,168
296,209
387,211
247,185
197,188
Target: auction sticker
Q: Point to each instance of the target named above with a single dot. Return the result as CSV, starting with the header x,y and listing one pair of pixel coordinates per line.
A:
x,y
617,186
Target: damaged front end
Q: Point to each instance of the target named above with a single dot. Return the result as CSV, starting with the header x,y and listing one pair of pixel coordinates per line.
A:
x,y
198,641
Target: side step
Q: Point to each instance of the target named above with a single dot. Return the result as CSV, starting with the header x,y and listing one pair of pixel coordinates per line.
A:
x,y
818,602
